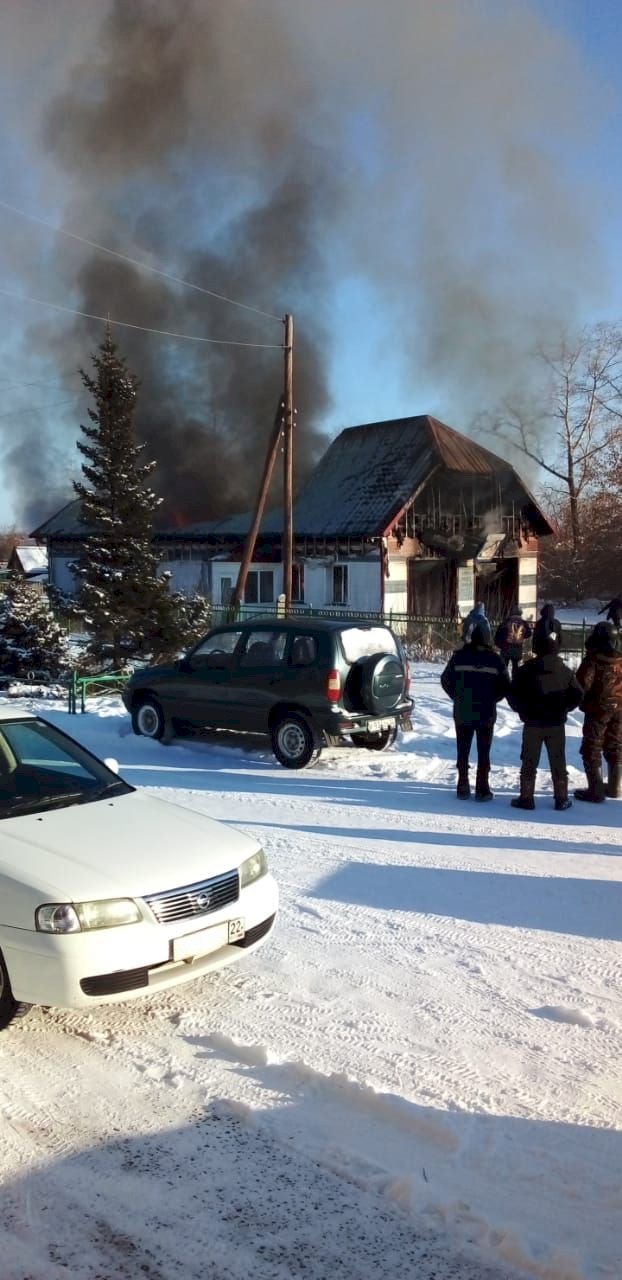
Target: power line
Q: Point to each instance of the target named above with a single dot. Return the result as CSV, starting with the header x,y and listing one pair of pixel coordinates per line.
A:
x,y
144,266
41,382
125,324
41,408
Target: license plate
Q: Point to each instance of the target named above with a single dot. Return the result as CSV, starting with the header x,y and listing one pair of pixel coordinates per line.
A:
x,y
236,930
377,726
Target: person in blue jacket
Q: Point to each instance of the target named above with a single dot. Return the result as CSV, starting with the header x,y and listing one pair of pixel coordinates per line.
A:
x,y
476,618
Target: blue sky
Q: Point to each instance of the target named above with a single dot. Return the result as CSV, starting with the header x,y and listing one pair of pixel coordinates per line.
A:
x,y
482,200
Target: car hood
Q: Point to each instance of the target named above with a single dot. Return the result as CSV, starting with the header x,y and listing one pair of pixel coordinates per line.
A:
x,y
126,846
149,673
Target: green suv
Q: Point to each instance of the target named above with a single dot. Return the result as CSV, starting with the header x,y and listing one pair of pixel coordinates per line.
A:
x,y
305,682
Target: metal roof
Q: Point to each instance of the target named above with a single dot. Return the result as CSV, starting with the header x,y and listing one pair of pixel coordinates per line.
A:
x,y
370,473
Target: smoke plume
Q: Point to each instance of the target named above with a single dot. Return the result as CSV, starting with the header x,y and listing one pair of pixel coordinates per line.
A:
x,y
271,152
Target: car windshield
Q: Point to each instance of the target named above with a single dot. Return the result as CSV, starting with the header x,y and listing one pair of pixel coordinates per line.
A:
x,y
41,768
362,642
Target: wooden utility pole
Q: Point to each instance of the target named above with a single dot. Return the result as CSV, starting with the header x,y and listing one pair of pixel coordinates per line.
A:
x,y
288,472
251,537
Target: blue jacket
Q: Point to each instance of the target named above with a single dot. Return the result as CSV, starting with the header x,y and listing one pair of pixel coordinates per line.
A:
x,y
476,618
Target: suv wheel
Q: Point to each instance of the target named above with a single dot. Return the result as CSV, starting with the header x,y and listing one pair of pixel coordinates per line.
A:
x,y
293,742
148,718
375,741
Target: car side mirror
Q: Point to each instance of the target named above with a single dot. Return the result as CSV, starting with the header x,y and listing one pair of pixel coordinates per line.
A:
x,y
112,764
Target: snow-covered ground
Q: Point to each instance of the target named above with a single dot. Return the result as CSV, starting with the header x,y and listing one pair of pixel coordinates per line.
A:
x,y
419,1075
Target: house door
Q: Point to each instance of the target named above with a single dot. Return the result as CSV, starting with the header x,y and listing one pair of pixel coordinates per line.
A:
x,y
496,585
431,588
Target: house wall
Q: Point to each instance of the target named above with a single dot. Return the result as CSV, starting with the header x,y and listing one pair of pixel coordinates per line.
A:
x,y
364,594
61,576
189,577
528,580
396,586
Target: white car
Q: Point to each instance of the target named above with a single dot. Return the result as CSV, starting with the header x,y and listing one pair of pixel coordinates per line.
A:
x,y
107,893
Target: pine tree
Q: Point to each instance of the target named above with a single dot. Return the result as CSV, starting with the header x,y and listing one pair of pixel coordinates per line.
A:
x,y
30,638
126,606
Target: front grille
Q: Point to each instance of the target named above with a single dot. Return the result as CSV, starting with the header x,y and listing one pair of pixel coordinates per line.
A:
x,y
194,900
110,984
253,935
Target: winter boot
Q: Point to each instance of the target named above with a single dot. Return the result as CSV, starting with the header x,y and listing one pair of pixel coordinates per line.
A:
x,y
614,782
595,790
482,789
562,802
525,800
463,790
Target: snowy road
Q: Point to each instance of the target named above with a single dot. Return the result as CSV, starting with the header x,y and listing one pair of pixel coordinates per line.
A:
x,y
418,1075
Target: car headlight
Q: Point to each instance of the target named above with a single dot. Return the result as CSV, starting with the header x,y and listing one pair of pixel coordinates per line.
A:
x,y
253,868
74,917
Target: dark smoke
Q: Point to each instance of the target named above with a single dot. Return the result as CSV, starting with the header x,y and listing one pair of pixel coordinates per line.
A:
x,y
163,124
267,149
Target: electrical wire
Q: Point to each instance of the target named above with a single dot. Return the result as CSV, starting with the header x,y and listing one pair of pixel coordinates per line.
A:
x,y
40,382
41,408
144,266
125,324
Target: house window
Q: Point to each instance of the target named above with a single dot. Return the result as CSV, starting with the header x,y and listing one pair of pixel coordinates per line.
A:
x,y
298,583
226,591
340,584
259,587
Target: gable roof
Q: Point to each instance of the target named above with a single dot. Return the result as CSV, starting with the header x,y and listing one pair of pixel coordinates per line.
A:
x,y
370,473
65,523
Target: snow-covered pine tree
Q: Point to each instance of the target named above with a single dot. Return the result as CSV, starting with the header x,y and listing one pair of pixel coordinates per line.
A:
x,y
30,638
126,606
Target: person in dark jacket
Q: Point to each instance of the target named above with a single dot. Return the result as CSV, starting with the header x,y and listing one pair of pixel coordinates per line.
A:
x,y
544,690
476,679
476,618
600,676
614,611
547,625
510,638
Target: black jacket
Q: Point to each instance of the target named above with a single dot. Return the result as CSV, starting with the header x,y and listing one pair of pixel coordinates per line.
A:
x,y
476,679
544,690
544,628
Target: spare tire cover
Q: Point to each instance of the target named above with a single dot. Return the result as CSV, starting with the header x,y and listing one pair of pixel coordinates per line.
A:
x,y
383,682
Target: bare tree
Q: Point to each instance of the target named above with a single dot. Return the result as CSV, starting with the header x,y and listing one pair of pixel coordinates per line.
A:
x,y
580,423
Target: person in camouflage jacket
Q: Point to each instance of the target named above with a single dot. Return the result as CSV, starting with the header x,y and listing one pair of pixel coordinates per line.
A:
x,y
600,677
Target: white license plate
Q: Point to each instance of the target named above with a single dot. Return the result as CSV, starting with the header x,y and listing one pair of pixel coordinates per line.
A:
x,y
236,930
376,726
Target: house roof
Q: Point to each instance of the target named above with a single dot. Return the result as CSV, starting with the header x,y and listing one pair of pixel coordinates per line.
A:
x,y
31,560
370,473
65,523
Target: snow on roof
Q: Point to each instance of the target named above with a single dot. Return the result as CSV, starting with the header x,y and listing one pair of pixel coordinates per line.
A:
x,y
31,559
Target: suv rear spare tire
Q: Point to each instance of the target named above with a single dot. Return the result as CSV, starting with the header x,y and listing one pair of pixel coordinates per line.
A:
x,y
293,742
383,683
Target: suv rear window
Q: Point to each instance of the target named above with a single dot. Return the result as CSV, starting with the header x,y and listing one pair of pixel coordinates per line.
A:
x,y
361,642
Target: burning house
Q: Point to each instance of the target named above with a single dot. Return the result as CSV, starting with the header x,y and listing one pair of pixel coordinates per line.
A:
x,y
399,517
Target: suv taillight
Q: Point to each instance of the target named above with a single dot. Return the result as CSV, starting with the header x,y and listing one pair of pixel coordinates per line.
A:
x,y
333,686
407,670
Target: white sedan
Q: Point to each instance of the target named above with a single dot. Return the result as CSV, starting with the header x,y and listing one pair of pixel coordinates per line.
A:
x,y
107,893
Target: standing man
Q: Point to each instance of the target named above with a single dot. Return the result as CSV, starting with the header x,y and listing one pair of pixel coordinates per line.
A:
x,y
510,638
547,625
476,618
543,692
600,676
476,679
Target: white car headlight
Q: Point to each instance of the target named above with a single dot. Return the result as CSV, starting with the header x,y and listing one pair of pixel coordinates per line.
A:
x,y
253,868
73,917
